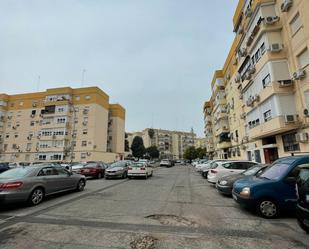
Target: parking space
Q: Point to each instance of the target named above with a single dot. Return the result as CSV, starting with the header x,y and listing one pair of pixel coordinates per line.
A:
x,y
176,208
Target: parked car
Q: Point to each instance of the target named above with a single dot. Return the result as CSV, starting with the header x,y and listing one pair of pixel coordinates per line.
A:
x,y
140,169
33,183
166,163
226,168
117,170
274,190
225,183
207,166
93,169
201,164
76,168
302,208
4,167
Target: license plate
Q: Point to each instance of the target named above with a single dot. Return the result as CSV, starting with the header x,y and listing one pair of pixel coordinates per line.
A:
x,y
235,197
307,198
86,170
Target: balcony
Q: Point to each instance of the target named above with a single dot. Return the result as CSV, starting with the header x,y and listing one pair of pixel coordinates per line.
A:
x,y
224,145
274,126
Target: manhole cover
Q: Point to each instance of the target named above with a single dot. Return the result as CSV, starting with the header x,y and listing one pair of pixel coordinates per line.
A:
x,y
173,220
146,242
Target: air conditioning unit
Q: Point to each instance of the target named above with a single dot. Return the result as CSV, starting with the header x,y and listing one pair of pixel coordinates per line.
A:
x,y
285,83
251,70
248,12
286,5
240,30
237,78
302,137
276,47
290,118
235,61
271,20
299,75
248,76
243,52
257,98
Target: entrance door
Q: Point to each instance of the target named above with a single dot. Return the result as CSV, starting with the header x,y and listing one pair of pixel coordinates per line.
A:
x,y
271,155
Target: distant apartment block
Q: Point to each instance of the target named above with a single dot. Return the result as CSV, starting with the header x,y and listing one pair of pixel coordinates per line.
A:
x,y
61,124
171,144
259,108
200,143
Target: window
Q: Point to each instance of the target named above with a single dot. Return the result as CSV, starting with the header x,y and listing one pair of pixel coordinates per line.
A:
x,y
61,120
85,132
16,135
42,157
83,155
28,146
32,123
296,24
87,97
27,157
290,143
7,136
266,81
84,143
303,59
77,98
267,116
263,48
60,109
33,112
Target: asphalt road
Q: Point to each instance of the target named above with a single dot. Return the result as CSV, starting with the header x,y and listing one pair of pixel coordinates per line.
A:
x,y
175,208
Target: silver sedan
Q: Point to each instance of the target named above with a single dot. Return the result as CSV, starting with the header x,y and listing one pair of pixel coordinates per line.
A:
x,y
33,183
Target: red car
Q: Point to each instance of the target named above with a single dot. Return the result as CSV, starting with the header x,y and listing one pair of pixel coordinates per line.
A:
x,y
93,169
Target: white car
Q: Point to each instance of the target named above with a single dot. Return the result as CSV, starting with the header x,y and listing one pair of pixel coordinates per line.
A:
x,y
166,162
206,167
140,169
201,164
226,168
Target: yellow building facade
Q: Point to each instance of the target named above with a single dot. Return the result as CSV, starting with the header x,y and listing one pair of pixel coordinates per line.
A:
x,y
259,108
61,124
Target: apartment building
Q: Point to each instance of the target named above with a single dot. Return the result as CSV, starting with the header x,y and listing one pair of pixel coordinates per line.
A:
x,y
171,144
61,124
200,143
260,98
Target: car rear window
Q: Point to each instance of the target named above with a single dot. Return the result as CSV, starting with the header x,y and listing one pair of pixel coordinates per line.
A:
x,y
138,165
17,172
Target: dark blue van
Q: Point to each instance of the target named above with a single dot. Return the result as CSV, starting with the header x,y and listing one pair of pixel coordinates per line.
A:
x,y
274,190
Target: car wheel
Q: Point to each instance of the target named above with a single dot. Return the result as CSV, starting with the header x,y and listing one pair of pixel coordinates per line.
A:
x,y
267,208
124,176
80,185
146,176
37,196
99,176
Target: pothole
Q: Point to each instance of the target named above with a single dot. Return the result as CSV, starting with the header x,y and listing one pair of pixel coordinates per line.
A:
x,y
173,220
145,242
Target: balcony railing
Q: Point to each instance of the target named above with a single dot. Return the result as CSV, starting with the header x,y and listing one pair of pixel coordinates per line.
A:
x,y
274,126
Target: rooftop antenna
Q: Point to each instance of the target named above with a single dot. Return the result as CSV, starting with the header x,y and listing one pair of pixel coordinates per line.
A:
x,y
38,83
83,77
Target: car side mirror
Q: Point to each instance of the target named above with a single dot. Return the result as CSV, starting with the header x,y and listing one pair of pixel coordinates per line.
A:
x,y
290,180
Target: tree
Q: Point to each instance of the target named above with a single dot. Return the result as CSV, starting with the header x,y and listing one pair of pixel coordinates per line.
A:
x,y
126,143
137,147
190,153
153,152
201,152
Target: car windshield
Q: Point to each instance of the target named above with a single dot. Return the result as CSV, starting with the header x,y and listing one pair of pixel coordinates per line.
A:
x,y
303,176
252,171
276,171
118,164
17,172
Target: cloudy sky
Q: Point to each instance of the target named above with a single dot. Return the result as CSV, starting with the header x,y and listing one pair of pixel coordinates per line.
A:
x,y
155,57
